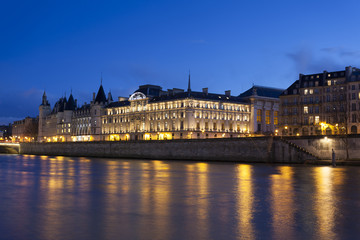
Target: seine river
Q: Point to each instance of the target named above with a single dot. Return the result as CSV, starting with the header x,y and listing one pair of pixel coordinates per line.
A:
x,y
60,198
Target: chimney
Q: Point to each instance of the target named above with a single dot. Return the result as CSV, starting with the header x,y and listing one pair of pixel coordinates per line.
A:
x,y
300,79
228,93
93,96
348,71
205,90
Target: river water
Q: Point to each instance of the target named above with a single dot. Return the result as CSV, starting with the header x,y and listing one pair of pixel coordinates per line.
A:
x,y
44,197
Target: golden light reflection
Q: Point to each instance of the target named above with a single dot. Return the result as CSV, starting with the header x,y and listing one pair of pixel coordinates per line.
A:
x,y
245,201
58,181
283,206
155,194
326,179
197,194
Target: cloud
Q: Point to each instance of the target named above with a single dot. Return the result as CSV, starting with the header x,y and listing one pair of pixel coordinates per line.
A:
x,y
302,59
341,52
306,60
7,120
19,104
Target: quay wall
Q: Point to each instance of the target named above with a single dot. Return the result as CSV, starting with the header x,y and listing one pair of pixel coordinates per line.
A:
x,y
322,146
259,149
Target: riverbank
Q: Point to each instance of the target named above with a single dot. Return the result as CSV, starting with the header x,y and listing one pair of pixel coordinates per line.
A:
x,y
311,149
257,149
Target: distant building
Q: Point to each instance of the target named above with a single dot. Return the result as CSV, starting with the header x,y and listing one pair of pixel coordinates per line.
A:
x,y
25,130
5,132
322,104
265,107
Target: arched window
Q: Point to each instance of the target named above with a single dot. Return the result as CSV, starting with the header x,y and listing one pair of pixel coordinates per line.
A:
x,y
353,130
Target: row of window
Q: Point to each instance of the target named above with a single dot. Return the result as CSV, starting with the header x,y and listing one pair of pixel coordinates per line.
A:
x,y
137,108
221,116
267,117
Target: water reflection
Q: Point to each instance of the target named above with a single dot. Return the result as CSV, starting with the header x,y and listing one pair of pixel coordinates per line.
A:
x,y
325,204
197,198
79,198
245,202
58,193
282,200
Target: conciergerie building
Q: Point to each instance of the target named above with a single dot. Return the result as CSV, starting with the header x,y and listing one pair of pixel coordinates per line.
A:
x,y
150,113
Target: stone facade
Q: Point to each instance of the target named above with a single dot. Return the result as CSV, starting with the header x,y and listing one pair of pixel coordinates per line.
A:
x,y
68,122
153,114
175,114
25,130
322,104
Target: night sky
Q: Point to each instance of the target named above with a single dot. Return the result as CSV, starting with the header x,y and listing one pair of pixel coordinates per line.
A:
x,y
64,46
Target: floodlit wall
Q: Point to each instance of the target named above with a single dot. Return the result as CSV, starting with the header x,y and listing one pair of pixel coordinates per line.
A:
x,y
261,149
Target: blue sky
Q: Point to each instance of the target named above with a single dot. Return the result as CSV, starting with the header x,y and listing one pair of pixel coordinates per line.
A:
x,y
59,46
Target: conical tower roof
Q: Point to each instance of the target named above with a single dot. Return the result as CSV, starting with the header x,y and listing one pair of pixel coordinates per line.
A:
x,y
70,105
100,96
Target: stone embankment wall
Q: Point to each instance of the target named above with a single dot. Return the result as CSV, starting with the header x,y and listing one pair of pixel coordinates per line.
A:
x,y
322,146
9,149
261,149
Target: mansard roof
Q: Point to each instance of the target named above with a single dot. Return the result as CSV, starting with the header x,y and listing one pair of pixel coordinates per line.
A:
x,y
184,95
197,95
262,91
59,105
290,90
101,97
118,104
150,90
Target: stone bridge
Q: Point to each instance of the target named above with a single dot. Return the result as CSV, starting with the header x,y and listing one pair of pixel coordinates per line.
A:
x,y
10,148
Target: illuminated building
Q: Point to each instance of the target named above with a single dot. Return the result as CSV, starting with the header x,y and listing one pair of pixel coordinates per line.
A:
x,y
265,107
322,104
68,122
152,114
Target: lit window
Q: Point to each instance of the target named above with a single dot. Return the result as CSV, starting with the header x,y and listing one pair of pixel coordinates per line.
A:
x,y
306,109
267,117
258,115
317,119
306,91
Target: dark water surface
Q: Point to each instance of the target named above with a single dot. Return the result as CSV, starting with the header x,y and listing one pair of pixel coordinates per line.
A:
x,y
61,198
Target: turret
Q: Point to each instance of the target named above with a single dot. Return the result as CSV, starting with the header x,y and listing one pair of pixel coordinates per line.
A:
x,y
110,99
44,110
44,100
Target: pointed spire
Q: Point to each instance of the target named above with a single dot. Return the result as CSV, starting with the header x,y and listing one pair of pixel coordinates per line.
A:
x,y
189,88
44,99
